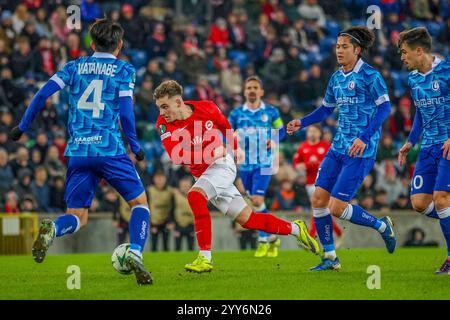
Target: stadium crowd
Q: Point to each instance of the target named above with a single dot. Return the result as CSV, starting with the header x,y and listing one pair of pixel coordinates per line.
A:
x,y
209,47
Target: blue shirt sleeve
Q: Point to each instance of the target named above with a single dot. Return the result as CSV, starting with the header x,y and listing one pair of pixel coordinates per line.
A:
x,y
317,115
64,77
38,103
127,121
381,114
377,88
416,130
126,86
329,100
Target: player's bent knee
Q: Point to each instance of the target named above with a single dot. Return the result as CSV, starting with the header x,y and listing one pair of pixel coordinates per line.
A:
x,y
320,198
243,216
140,200
419,206
337,208
257,201
441,199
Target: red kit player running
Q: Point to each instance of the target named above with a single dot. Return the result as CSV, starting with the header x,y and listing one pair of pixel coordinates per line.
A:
x,y
308,157
194,134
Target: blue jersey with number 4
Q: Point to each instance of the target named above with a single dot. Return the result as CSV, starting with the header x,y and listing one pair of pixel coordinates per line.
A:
x,y
357,95
95,82
431,95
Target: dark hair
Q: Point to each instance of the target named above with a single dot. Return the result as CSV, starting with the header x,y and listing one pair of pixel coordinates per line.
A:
x,y
254,78
417,37
106,35
359,36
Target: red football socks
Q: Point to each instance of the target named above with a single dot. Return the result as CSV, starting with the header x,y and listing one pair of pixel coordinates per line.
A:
x,y
202,219
268,223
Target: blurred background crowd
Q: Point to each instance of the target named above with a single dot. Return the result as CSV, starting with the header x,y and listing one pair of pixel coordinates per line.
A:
x,y
209,47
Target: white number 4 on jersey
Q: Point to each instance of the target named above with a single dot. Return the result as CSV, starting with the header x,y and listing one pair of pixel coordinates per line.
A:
x,y
96,105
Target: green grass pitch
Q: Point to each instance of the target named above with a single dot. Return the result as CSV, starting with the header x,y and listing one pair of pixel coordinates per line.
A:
x,y
407,274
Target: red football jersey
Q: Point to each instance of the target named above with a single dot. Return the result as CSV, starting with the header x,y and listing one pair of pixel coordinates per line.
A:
x,y
192,141
312,156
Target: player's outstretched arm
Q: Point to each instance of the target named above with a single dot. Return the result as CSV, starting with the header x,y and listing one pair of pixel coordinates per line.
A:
x,y
317,115
413,137
36,105
128,127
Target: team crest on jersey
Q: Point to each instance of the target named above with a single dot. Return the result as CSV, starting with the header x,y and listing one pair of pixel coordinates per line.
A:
x,y
208,125
321,150
351,85
162,129
264,118
435,85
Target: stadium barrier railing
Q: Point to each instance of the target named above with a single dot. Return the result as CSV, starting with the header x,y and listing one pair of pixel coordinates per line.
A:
x,y
17,233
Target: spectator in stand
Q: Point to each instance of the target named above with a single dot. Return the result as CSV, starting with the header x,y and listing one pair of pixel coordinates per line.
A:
x,y
133,26
391,55
219,35
58,22
381,201
231,80
184,219
41,189
192,63
53,164
301,93
11,203
144,100
285,170
121,220
386,149
57,203
170,71
402,203
293,63
400,123
318,83
22,187
274,72
158,43
236,33
23,59
389,181
161,203
90,11
30,32
290,10
6,173
21,161
285,198
310,9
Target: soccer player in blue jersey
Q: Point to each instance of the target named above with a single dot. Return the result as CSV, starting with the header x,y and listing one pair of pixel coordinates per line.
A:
x,y
101,93
430,89
360,94
254,123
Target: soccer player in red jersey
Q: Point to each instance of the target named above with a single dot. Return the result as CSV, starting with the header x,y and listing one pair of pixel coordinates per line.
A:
x,y
196,133
309,156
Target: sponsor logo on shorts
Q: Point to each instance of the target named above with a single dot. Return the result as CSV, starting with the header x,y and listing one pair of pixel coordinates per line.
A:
x,y
343,194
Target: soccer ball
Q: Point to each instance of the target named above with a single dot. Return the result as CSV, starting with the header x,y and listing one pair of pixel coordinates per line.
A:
x,y
118,258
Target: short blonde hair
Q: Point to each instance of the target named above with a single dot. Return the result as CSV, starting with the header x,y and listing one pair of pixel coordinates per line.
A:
x,y
169,88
